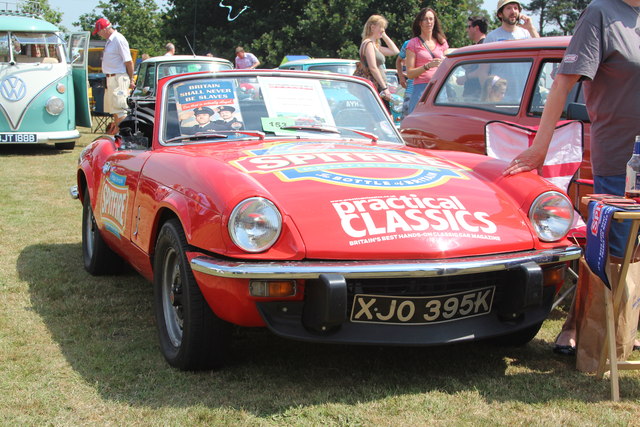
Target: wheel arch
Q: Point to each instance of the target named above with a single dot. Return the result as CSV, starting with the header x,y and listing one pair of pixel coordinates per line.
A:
x,y
163,215
81,179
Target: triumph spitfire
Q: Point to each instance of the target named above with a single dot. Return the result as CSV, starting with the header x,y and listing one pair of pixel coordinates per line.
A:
x,y
309,216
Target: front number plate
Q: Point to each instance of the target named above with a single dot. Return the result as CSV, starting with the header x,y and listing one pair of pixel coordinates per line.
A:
x,y
18,138
421,310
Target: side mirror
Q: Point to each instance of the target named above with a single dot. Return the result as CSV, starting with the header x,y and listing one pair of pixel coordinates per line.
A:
x,y
577,111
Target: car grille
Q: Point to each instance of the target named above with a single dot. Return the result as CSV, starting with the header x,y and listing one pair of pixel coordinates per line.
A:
x,y
428,286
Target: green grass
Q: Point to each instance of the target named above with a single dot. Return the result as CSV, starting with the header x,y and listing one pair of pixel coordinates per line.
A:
x,y
82,350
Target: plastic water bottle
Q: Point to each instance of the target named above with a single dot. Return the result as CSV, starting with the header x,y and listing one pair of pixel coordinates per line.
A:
x,y
632,184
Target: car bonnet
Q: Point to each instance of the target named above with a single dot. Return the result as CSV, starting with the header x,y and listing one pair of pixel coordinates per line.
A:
x,y
365,201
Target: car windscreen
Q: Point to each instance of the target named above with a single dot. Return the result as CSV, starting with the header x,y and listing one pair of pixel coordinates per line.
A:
x,y
173,68
285,106
347,69
489,85
30,47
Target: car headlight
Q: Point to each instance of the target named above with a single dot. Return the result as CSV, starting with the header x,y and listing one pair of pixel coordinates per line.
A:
x,y
255,224
54,106
551,215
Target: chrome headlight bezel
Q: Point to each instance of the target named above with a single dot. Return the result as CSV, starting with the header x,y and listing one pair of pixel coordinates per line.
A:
x,y
551,215
255,224
54,106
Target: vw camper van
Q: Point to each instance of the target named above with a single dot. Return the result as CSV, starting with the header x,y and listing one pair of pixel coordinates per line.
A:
x,y
43,80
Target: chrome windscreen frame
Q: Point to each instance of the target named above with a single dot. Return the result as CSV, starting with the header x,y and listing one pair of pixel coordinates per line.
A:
x,y
261,73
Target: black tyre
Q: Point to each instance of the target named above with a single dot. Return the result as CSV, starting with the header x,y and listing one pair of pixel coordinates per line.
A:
x,y
519,338
65,145
98,258
192,337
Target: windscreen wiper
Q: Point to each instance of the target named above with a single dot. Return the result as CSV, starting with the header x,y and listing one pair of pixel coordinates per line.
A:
x,y
312,128
332,129
197,136
217,134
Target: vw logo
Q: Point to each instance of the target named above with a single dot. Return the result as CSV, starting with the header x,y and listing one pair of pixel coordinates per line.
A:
x,y
13,88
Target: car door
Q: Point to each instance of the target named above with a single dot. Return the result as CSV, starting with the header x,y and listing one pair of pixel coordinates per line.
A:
x,y
117,191
78,51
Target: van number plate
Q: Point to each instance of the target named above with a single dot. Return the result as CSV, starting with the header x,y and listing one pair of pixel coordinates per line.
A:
x,y
18,137
421,310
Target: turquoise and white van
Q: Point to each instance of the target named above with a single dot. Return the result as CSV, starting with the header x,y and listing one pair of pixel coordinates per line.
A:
x,y
43,80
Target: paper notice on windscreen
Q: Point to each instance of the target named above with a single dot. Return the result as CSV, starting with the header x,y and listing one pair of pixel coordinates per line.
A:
x,y
302,100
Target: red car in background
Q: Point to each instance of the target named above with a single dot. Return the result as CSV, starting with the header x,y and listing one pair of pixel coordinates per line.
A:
x,y
507,81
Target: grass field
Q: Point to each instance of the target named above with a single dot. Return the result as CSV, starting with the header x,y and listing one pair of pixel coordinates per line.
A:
x,y
82,350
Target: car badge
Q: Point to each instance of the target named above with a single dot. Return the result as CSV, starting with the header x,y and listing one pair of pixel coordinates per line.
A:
x,y
13,88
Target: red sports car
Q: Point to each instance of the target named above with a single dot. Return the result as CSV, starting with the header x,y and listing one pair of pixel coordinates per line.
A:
x,y
315,220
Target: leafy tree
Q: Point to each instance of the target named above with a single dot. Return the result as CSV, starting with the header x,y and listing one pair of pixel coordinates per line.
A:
x,y
43,8
318,28
562,15
138,20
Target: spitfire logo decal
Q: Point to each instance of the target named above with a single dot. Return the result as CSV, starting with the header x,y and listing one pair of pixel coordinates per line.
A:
x,y
351,166
114,203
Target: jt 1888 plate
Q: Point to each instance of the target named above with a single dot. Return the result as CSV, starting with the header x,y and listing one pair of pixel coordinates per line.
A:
x,y
18,138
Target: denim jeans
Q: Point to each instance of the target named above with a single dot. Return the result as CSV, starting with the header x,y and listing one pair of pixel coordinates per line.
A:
x,y
418,90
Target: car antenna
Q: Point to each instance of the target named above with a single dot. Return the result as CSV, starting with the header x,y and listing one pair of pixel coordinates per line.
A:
x,y
189,44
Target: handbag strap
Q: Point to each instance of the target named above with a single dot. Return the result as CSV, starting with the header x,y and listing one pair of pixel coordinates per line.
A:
x,y
427,47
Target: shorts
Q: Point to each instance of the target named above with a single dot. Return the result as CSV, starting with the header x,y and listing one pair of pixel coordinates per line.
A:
x,y
619,231
116,93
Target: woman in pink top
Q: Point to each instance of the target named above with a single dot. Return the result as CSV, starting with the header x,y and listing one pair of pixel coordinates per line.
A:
x,y
424,52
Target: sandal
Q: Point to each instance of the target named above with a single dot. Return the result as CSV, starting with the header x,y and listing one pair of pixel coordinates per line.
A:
x,y
565,350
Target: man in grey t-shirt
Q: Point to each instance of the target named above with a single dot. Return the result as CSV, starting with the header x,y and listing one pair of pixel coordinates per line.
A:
x,y
604,53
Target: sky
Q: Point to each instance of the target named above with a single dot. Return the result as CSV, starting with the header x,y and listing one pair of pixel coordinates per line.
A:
x,y
72,9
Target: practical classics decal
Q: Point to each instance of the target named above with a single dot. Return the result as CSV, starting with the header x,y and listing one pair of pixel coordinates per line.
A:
x,y
351,166
369,220
114,203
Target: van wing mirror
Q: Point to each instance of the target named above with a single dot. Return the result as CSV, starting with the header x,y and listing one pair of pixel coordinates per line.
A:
x,y
577,111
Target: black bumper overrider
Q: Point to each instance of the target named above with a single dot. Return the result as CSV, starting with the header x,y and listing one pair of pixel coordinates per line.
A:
x,y
520,299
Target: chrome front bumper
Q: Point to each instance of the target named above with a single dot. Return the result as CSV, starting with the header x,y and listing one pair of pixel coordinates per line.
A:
x,y
312,269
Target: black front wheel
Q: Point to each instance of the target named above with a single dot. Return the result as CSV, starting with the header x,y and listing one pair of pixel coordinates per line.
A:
x,y
98,258
65,145
192,337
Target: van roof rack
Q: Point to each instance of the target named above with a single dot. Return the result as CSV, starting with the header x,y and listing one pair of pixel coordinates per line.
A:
x,y
27,8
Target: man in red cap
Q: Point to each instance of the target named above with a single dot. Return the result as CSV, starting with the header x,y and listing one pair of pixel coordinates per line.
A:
x,y
117,65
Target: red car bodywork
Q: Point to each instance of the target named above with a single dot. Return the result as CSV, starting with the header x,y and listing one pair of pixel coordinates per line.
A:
x,y
461,127
358,209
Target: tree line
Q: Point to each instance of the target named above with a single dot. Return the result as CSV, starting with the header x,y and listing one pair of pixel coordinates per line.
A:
x,y
272,29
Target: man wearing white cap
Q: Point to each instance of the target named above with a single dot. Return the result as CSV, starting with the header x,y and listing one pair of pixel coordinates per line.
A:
x,y
515,25
117,65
